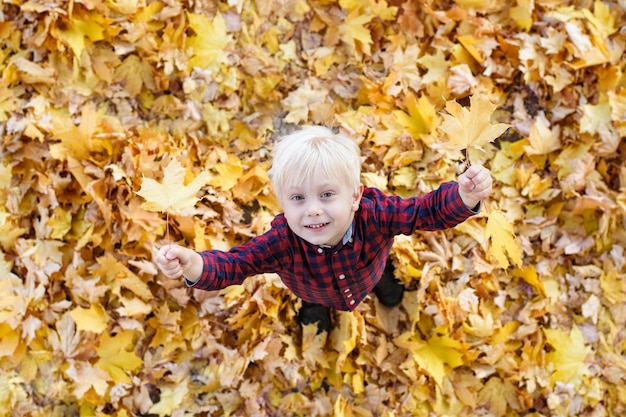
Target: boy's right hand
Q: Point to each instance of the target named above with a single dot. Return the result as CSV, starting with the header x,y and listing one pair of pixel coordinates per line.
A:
x,y
175,261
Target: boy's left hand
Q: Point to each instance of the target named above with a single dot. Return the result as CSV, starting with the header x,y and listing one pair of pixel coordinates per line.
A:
x,y
475,185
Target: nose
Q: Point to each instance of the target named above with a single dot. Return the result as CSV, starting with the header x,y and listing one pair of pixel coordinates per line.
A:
x,y
314,209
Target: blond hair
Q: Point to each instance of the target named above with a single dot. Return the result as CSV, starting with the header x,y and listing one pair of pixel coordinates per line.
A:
x,y
314,150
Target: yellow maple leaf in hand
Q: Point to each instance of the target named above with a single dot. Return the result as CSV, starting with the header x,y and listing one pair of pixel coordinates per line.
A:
x,y
470,128
172,195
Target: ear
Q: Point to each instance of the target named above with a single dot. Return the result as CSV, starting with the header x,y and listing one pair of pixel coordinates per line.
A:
x,y
356,197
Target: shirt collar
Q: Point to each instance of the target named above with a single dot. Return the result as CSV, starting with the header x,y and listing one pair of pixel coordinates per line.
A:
x,y
347,237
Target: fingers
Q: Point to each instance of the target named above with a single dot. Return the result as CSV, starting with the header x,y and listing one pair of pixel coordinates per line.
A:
x,y
477,174
475,185
466,183
168,261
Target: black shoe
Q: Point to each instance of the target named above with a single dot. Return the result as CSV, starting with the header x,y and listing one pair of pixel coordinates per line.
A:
x,y
389,290
315,313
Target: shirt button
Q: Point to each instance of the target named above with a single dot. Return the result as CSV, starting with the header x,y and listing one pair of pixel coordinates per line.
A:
x,y
342,276
320,250
352,302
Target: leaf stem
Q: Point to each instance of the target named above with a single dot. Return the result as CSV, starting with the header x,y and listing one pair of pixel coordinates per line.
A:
x,y
167,227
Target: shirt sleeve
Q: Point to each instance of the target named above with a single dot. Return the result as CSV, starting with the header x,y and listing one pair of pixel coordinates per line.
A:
x,y
262,254
440,209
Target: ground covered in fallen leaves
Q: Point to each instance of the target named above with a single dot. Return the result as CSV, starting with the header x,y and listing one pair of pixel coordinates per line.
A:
x,y
97,96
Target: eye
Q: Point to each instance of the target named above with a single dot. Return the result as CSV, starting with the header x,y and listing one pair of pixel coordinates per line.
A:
x,y
297,198
327,194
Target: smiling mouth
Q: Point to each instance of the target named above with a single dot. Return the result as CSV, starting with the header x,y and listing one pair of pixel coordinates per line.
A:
x,y
316,226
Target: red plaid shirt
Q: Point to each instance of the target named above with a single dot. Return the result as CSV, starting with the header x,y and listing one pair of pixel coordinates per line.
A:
x,y
338,277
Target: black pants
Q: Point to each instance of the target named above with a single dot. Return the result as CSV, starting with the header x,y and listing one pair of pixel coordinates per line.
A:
x,y
388,290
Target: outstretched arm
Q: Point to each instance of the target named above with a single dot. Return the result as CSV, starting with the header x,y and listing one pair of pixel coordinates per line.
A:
x,y
474,185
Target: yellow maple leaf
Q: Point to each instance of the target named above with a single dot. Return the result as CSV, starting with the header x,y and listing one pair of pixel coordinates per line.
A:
x,y
355,34
252,184
603,18
8,101
421,118
470,128
76,141
115,358
543,140
377,8
208,46
438,353
313,346
170,400
503,245
569,355
613,285
86,377
9,340
134,283
436,67
596,115
497,395
228,173
300,101
469,42
522,14
529,274
172,195
135,73
587,34
60,223
435,355
404,63
80,28
92,319
345,338
143,14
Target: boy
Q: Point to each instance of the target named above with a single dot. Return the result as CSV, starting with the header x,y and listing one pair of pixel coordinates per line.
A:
x,y
331,244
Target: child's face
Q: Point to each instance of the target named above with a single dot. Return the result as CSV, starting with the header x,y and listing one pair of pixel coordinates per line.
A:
x,y
321,210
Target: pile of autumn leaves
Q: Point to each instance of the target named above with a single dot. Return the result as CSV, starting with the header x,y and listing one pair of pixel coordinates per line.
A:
x,y
128,125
